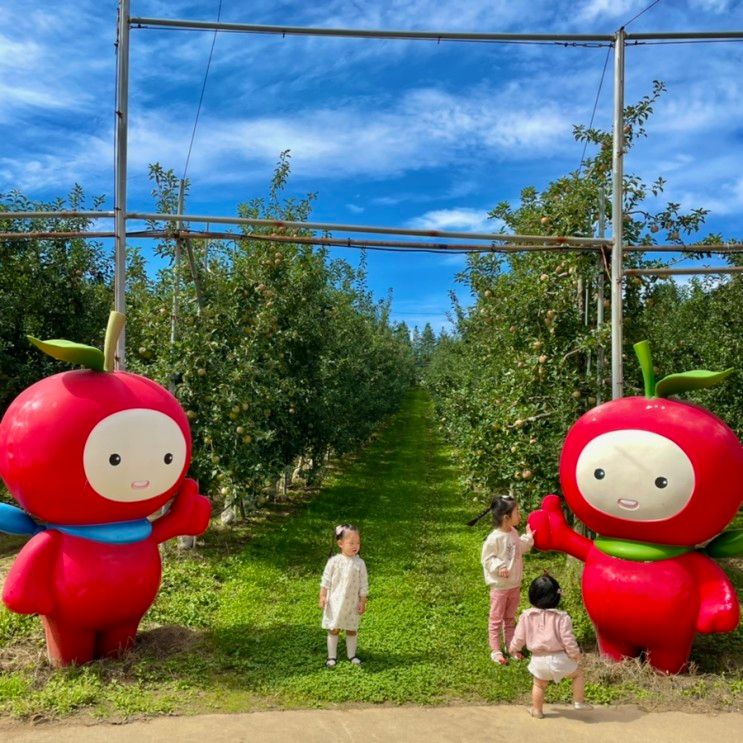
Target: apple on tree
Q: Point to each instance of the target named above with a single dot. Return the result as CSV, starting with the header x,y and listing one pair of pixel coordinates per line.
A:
x,y
655,479
90,454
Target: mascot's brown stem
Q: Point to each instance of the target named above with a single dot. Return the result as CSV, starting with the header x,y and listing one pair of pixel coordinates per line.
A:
x,y
116,322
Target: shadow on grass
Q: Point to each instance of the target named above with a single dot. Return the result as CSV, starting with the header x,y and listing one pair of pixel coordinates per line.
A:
x,y
288,650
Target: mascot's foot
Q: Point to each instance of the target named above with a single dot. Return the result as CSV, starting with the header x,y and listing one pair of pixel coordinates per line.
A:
x,y
668,662
68,646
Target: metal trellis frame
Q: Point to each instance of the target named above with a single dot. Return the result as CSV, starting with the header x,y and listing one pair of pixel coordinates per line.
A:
x,y
496,242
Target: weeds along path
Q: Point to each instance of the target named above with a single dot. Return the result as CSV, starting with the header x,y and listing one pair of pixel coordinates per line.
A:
x,y
423,636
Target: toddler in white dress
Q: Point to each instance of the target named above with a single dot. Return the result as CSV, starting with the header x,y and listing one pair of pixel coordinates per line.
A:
x,y
343,592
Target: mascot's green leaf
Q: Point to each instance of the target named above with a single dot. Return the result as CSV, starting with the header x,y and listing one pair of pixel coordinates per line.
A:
x,y
696,379
728,544
74,353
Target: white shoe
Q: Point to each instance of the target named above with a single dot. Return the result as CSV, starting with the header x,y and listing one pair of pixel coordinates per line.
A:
x,y
582,705
355,661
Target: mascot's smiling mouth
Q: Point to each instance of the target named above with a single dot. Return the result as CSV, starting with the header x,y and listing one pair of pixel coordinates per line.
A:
x,y
140,484
628,504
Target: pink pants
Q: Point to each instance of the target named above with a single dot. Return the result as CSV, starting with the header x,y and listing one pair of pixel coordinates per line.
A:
x,y
503,607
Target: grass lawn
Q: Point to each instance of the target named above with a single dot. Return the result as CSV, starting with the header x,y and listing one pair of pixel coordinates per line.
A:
x,y
236,626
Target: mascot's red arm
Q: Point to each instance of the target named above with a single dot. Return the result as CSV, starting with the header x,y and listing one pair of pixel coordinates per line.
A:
x,y
29,586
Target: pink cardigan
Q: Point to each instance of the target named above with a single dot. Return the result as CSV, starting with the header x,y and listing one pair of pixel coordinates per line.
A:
x,y
545,631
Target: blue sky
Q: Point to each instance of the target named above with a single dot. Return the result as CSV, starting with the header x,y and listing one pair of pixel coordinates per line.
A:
x,y
407,133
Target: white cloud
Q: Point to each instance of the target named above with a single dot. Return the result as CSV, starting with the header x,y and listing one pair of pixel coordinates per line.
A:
x,y
711,6
425,129
462,219
433,309
354,209
714,106
724,200
455,220
14,97
61,170
22,54
597,9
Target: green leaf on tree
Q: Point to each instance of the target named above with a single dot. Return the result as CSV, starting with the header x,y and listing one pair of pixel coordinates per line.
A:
x,y
71,352
696,379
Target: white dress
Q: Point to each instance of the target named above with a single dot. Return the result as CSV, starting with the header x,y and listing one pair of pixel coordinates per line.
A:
x,y
347,582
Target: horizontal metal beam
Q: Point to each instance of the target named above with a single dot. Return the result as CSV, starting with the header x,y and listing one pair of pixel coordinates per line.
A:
x,y
716,248
250,28
351,242
523,241
681,271
369,229
52,235
50,214
686,35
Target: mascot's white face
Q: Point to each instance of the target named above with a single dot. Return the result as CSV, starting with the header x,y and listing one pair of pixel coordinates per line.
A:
x,y
635,475
134,455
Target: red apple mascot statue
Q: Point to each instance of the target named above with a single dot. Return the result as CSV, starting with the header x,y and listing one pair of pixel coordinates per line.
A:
x,y
89,454
658,481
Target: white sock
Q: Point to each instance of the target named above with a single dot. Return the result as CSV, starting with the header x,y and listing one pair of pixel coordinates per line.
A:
x,y
332,645
351,643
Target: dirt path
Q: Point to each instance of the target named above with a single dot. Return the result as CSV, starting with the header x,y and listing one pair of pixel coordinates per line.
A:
x,y
408,724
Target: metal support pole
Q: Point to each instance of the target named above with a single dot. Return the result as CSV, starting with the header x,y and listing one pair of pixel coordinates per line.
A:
x,y
600,296
176,273
617,218
122,114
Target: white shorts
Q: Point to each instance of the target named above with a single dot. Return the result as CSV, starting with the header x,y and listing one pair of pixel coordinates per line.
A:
x,y
552,667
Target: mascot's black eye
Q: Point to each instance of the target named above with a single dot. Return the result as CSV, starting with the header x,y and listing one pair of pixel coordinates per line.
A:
x,y
661,482
114,459
168,458
599,474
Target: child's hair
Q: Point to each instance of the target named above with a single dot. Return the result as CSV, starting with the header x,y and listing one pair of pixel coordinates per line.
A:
x,y
544,592
339,532
502,506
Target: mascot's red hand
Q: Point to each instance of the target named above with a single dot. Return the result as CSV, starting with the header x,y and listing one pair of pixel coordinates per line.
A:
x,y
552,532
188,515
547,524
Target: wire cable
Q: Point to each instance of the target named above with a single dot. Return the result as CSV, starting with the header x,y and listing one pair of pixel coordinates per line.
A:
x,y
595,106
601,83
201,97
634,18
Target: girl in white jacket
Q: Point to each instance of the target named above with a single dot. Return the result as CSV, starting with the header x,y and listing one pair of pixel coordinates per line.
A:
x,y
503,569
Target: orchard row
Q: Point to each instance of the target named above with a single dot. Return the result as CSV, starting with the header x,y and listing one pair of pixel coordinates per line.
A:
x,y
531,355
283,357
